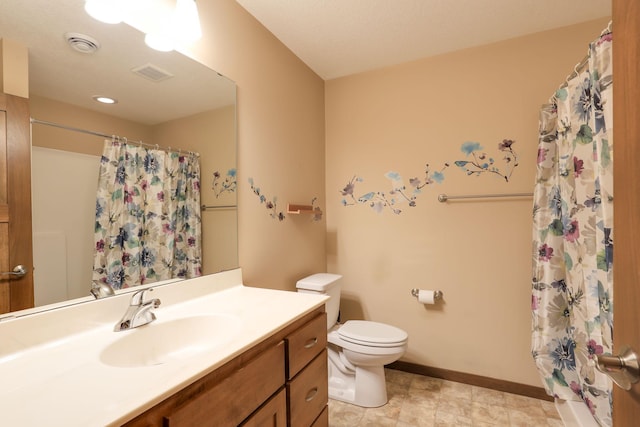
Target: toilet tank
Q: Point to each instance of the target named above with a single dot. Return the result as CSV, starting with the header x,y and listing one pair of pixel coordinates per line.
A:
x,y
324,283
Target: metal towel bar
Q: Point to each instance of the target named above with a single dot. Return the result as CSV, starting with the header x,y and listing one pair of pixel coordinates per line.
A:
x,y
443,197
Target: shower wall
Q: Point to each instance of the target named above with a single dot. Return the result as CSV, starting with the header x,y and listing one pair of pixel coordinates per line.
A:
x,y
382,130
63,220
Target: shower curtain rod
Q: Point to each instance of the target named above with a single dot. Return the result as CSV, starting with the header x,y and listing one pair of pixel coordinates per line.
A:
x,y
585,60
104,135
443,197
576,70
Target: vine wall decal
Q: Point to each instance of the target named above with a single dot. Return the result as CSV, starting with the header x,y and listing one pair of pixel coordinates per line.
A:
x,y
272,205
379,200
476,163
317,212
481,164
228,185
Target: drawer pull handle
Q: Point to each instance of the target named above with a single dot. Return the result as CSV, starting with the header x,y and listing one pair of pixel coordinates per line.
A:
x,y
311,343
311,394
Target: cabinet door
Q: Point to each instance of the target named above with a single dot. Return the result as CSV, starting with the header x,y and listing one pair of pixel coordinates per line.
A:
x,y
232,400
271,414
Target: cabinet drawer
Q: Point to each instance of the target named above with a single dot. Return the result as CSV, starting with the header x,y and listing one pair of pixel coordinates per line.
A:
x,y
271,414
308,392
233,399
305,344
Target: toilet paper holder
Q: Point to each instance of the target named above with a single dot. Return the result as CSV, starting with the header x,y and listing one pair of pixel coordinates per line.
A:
x,y
437,295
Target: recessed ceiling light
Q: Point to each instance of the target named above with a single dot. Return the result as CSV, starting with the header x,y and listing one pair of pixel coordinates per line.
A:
x,y
105,99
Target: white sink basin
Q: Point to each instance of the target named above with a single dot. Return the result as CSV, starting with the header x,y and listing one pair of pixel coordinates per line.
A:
x,y
166,341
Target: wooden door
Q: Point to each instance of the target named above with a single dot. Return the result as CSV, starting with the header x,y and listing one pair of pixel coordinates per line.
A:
x,y
626,130
16,247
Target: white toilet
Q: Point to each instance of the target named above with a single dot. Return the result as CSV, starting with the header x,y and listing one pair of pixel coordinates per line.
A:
x,y
357,349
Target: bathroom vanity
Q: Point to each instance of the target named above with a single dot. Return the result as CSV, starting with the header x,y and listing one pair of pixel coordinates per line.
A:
x,y
281,381
219,354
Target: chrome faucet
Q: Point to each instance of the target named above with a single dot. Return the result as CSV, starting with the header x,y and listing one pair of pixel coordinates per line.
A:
x,y
139,312
101,290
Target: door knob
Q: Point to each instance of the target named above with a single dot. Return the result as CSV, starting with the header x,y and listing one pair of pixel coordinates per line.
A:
x,y
18,271
624,369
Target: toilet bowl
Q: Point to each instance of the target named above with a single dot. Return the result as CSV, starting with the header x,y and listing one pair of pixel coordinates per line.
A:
x,y
357,350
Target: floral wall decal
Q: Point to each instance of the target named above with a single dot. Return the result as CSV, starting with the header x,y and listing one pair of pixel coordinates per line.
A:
x,y
399,193
478,164
228,185
270,205
317,212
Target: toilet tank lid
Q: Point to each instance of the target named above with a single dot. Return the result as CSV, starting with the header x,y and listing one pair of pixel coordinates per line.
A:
x,y
318,281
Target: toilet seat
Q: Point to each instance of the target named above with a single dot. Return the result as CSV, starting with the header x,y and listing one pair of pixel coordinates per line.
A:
x,y
372,334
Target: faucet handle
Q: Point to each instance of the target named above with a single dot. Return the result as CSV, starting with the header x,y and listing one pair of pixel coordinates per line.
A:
x,y
138,297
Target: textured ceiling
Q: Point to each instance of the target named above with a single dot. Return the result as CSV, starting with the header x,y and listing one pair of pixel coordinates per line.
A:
x,y
341,37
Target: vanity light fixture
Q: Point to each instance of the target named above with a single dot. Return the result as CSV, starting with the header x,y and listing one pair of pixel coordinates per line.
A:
x,y
166,23
115,11
174,22
188,21
107,11
105,99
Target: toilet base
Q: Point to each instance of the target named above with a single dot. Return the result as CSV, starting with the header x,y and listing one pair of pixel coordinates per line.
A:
x,y
365,387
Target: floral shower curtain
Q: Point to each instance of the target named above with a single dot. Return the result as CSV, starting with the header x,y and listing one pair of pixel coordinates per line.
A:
x,y
572,236
147,216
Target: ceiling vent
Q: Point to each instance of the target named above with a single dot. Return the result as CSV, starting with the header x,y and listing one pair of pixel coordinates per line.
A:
x,y
152,72
82,43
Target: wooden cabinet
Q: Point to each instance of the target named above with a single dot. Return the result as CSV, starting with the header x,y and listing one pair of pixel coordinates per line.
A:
x,y
281,381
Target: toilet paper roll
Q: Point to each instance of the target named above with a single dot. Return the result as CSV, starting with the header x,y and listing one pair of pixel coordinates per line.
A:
x,y
426,296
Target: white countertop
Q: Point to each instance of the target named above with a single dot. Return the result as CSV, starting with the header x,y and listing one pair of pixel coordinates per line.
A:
x,y
50,368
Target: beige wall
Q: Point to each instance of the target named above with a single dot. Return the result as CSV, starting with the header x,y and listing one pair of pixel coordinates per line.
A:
x,y
477,252
280,143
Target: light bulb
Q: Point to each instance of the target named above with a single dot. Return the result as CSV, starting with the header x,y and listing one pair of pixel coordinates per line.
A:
x,y
107,11
159,41
105,99
160,25
187,21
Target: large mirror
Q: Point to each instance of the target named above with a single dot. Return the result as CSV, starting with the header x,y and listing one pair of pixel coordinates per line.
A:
x,y
164,99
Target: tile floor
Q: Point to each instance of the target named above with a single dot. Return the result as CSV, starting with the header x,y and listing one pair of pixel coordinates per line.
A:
x,y
416,400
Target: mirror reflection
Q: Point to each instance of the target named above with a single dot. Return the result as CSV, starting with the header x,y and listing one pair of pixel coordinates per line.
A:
x,y
164,99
